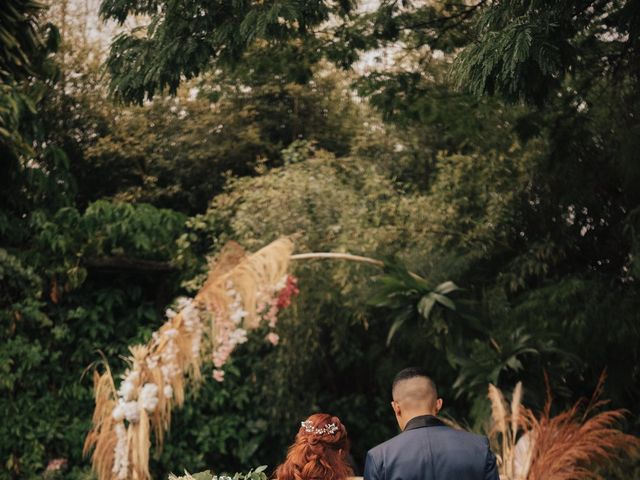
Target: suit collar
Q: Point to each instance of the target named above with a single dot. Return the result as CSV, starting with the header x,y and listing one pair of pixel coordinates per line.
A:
x,y
423,421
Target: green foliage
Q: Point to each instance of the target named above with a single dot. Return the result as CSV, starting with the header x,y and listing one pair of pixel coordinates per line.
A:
x,y
235,432
525,49
426,118
144,65
178,152
409,296
68,240
538,208
525,56
257,474
49,342
21,38
12,107
25,68
23,50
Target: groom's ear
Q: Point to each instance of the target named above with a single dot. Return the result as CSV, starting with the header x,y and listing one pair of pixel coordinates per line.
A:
x,y
396,407
438,405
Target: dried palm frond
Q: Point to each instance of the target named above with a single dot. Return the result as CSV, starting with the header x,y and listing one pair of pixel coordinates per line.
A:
x,y
101,438
172,359
247,275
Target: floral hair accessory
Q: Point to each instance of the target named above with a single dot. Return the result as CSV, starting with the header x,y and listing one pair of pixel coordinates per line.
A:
x,y
328,429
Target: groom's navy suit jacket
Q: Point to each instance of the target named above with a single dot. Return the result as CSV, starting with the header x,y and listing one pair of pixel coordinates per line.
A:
x,y
429,450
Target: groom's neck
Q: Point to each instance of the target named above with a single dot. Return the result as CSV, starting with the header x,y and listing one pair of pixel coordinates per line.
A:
x,y
408,416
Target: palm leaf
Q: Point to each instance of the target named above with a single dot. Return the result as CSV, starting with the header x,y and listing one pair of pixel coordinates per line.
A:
x,y
408,296
400,320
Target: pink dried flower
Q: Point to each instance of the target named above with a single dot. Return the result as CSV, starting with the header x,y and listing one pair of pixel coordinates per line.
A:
x,y
272,315
290,289
272,338
56,464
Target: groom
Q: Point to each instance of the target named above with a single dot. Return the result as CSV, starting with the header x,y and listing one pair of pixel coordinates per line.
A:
x,y
427,449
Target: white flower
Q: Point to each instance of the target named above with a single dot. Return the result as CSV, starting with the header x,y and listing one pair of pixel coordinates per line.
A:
x,y
168,391
120,430
238,336
169,358
195,344
170,313
118,412
172,332
166,371
148,398
281,284
191,315
121,455
218,375
127,389
152,362
132,411
183,302
238,315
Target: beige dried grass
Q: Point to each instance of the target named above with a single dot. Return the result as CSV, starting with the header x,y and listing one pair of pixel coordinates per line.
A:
x,y
516,401
102,436
505,426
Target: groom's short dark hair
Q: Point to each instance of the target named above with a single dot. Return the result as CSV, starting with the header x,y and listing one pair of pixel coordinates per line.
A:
x,y
413,372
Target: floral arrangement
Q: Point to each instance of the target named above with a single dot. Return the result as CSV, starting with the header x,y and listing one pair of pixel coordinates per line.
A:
x,y
569,446
257,474
241,292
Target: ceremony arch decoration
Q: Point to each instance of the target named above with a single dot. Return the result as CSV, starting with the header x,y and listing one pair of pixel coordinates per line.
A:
x,y
242,292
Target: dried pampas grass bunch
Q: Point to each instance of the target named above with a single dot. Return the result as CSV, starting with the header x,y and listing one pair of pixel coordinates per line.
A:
x,y
572,445
505,425
241,292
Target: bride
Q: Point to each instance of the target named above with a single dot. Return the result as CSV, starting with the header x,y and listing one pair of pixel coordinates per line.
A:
x,y
319,452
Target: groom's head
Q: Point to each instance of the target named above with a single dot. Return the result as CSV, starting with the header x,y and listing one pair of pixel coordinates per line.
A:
x,y
414,393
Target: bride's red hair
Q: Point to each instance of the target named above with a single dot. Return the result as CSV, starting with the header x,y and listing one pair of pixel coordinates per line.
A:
x,y
316,456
